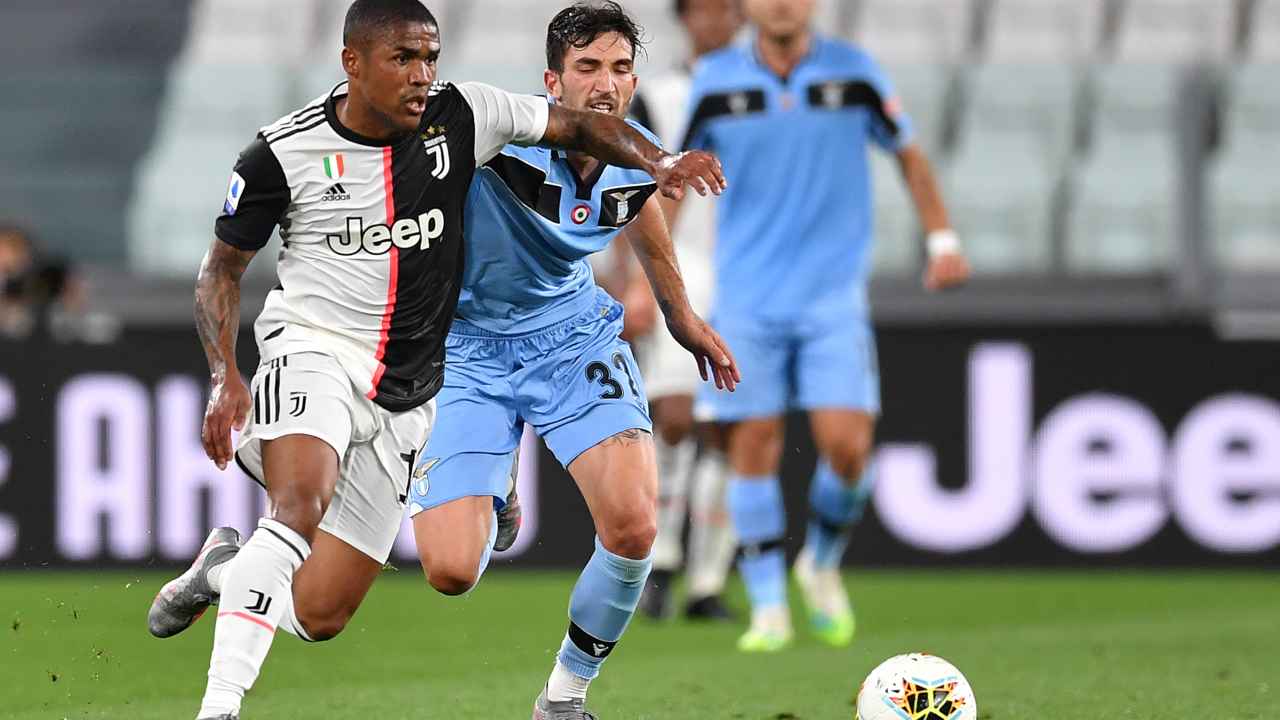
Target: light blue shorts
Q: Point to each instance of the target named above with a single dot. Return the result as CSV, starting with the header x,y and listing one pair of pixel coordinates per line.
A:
x,y
575,382
807,365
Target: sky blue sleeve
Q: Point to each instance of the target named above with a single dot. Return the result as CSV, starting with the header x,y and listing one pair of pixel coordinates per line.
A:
x,y
891,127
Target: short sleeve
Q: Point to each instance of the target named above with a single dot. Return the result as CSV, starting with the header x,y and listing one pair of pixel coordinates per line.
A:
x,y
257,198
891,127
502,117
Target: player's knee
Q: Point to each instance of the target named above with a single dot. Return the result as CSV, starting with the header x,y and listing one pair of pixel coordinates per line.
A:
x,y
324,623
453,580
454,575
632,538
300,511
849,458
673,431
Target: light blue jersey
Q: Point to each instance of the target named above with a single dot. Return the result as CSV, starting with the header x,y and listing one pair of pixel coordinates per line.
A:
x,y
530,224
795,225
535,341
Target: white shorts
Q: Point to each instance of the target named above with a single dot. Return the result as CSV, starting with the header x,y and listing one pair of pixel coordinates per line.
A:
x,y
310,394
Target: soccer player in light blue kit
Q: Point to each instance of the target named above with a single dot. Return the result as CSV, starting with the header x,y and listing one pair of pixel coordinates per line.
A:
x,y
790,114
536,341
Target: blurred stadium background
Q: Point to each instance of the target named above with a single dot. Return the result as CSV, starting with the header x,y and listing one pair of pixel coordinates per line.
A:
x,y
1104,394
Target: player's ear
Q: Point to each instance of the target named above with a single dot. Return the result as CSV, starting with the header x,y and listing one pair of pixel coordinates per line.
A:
x,y
351,62
551,79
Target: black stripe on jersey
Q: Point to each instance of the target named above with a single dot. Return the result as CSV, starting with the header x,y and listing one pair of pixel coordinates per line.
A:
x,y
844,94
428,280
621,205
640,111
529,184
299,117
299,129
710,107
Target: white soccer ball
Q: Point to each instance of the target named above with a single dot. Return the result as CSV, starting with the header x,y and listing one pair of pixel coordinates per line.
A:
x,y
916,687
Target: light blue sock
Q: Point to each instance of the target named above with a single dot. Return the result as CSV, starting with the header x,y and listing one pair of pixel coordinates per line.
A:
x,y
600,607
759,519
833,509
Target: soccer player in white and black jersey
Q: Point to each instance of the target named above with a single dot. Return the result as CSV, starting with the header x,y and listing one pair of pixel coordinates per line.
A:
x,y
367,185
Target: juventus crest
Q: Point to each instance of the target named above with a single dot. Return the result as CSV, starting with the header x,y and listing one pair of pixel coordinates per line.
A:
x,y
438,148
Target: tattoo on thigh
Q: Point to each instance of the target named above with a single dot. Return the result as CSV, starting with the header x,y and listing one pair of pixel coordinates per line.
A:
x,y
628,437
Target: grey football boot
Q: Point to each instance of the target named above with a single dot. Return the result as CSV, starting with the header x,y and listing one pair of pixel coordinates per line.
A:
x,y
184,599
225,716
576,709
509,516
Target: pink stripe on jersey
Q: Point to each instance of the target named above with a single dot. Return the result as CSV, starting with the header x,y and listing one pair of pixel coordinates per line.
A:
x,y
394,257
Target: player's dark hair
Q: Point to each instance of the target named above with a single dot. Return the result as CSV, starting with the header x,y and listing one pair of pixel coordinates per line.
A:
x,y
679,7
367,18
581,23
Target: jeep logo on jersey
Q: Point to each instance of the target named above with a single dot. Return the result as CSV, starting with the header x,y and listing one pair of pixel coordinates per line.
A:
x,y
378,239
438,148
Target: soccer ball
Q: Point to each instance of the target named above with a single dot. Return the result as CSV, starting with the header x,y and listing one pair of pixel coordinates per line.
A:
x,y
916,687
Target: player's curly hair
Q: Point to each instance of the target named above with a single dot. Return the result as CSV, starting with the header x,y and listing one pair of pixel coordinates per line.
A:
x,y
365,18
581,23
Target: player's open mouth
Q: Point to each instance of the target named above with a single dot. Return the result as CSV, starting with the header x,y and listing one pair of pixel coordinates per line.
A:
x,y
602,107
416,105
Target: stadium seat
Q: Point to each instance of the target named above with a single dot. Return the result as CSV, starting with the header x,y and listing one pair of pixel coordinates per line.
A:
x,y
923,90
915,31
1035,99
1263,44
897,250
1123,204
1175,30
1044,30
1243,184
1128,98
1124,197
999,188
279,32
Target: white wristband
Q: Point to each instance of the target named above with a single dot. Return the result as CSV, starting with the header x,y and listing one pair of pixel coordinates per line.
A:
x,y
942,242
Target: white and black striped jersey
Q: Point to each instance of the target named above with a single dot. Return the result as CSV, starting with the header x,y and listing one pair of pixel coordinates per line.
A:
x,y
662,105
373,256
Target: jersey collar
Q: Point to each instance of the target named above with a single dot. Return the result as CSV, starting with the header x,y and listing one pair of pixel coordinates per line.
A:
x,y
753,47
331,114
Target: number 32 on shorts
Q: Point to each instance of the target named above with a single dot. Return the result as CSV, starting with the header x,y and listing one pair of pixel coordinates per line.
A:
x,y
598,372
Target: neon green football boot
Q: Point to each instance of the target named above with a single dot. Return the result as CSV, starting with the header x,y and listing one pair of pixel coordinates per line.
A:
x,y
831,617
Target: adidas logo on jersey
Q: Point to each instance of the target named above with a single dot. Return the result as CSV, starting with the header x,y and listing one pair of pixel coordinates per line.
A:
x,y
334,193
378,239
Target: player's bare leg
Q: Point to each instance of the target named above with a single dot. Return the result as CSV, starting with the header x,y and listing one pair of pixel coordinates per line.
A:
x,y
618,479
675,451
711,540
288,574
454,541
837,497
759,519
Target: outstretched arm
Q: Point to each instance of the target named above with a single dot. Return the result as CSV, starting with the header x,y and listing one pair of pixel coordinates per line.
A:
x,y
613,141
218,322
648,236
947,266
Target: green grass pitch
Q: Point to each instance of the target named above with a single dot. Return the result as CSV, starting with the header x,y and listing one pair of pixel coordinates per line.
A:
x,y
1062,645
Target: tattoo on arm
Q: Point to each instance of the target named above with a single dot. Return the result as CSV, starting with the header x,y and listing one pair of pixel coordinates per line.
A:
x,y
602,136
217,302
651,241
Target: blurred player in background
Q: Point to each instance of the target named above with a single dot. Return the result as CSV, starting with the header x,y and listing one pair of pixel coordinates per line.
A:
x,y
790,114
536,341
691,474
367,185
